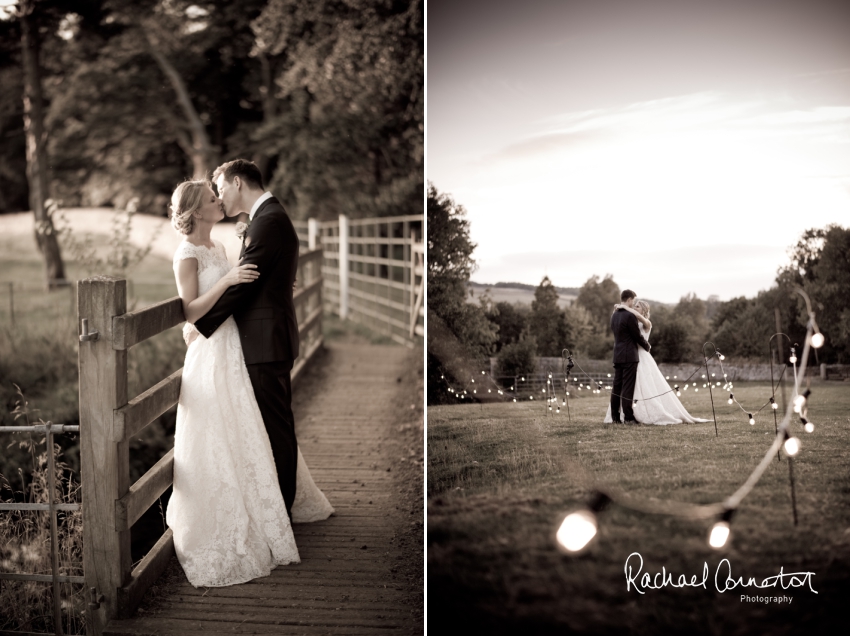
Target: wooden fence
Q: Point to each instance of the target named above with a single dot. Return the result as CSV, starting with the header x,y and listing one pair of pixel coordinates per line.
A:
x,y
109,419
374,273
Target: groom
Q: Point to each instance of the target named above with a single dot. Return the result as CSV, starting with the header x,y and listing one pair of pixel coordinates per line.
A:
x,y
626,340
264,310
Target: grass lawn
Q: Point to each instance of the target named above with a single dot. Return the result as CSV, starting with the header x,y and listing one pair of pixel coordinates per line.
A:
x,y
502,476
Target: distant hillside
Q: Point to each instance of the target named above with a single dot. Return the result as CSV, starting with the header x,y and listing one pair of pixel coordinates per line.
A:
x,y
524,294
520,293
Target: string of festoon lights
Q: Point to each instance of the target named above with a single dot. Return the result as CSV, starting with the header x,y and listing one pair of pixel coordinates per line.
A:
x,y
580,526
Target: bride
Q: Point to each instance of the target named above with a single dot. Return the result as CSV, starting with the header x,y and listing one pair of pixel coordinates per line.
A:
x,y
227,512
655,403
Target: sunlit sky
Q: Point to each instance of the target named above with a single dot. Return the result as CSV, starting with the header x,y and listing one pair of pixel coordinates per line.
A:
x,y
679,146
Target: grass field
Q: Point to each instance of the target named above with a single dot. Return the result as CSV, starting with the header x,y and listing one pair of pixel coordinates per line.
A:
x,y
501,477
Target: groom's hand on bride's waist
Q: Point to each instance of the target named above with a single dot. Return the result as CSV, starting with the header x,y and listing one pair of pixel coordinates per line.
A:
x,y
189,333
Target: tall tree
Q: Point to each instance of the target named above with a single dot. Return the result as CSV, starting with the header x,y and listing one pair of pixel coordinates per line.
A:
x,y
458,331
546,322
599,298
349,112
36,143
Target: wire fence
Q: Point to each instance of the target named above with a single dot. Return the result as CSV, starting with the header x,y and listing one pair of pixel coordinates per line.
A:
x,y
52,507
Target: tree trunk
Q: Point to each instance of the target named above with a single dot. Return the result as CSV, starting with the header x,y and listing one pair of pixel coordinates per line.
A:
x,y
201,151
261,157
37,165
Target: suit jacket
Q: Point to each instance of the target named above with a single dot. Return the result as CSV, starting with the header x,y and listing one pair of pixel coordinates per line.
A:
x,y
263,309
627,336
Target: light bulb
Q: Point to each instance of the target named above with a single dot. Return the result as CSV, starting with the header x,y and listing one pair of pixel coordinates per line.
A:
x,y
577,529
482,373
817,340
791,446
809,427
731,398
722,357
752,420
798,403
679,393
609,375
793,359
719,534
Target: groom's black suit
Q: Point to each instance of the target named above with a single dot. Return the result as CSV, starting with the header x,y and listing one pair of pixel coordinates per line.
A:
x,y
627,337
265,314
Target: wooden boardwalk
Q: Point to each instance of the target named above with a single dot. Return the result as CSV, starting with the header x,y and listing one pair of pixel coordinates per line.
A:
x,y
352,578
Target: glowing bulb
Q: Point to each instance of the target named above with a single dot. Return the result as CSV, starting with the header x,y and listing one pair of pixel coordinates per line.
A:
x,y
793,359
731,398
817,340
522,379
722,357
719,534
482,373
791,446
696,390
577,529
609,375
809,427
679,393
514,399
752,420
774,406
798,403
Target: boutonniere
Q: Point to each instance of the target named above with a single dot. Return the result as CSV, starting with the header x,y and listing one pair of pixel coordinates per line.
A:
x,y
242,229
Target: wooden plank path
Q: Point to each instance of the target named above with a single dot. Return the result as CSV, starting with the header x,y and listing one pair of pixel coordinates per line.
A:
x,y
351,579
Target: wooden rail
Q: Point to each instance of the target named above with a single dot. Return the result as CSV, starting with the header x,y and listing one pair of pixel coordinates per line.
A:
x,y
108,420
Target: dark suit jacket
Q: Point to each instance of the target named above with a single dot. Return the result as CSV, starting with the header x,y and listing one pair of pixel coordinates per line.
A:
x,y
263,309
627,336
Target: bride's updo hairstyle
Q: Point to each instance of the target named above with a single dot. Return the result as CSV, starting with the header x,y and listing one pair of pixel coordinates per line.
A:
x,y
187,198
642,307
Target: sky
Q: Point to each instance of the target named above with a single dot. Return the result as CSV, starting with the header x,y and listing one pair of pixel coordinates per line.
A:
x,y
680,146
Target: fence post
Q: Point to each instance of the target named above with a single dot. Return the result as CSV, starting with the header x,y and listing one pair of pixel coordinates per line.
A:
x,y
104,464
312,233
343,266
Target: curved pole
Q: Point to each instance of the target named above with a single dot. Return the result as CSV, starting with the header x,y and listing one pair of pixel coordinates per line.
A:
x,y
708,378
772,386
567,364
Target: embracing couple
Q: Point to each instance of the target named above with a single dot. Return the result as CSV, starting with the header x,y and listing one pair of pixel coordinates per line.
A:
x,y
641,394
240,480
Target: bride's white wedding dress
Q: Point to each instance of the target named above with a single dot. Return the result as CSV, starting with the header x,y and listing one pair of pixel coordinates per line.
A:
x,y
227,512
650,382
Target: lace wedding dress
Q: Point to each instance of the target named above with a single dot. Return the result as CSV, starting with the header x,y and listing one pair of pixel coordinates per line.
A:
x,y
650,382
227,512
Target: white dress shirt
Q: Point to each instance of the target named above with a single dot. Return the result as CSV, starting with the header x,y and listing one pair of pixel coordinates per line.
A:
x,y
263,198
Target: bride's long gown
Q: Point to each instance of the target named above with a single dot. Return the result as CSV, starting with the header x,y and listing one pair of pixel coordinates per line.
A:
x,y
650,382
227,512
